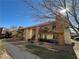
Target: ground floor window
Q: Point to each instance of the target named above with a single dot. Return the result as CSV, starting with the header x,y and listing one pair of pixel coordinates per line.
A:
x,y
47,38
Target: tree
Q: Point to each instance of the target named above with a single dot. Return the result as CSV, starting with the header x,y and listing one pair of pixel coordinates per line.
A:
x,y
48,9
1,30
20,33
8,34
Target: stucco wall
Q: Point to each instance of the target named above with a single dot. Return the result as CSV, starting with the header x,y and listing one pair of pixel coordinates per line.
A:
x,y
28,34
67,36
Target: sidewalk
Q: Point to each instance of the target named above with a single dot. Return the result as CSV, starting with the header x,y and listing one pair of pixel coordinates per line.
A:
x,y
18,54
77,53
76,48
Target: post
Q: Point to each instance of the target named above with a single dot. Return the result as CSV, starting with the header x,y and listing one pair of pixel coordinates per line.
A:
x,y
62,30
37,34
26,35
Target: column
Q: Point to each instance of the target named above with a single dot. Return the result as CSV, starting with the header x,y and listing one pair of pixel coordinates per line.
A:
x,y
61,40
67,36
37,34
61,30
26,35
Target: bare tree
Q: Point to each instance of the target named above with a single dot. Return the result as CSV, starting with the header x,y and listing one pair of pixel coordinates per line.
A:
x,y
48,9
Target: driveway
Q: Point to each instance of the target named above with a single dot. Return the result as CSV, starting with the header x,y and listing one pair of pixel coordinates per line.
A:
x,y
76,48
18,53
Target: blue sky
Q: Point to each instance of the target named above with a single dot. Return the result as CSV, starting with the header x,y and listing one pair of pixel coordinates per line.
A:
x,y
15,13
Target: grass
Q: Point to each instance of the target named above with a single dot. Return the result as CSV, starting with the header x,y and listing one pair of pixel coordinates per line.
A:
x,y
2,47
48,54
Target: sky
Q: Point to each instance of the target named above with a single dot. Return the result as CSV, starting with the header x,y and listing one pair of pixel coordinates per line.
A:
x,y
14,13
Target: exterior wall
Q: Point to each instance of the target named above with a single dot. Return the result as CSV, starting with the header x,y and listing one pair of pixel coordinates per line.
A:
x,y
61,33
43,36
30,33
67,36
14,32
37,34
27,34
62,30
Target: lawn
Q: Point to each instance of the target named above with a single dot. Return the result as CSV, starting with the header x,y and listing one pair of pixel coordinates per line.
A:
x,y
48,54
2,47
3,52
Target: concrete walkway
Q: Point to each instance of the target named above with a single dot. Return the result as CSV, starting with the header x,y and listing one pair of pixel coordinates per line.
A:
x,y
76,48
18,54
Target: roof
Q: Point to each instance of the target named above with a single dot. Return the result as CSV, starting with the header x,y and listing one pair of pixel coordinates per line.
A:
x,y
42,24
